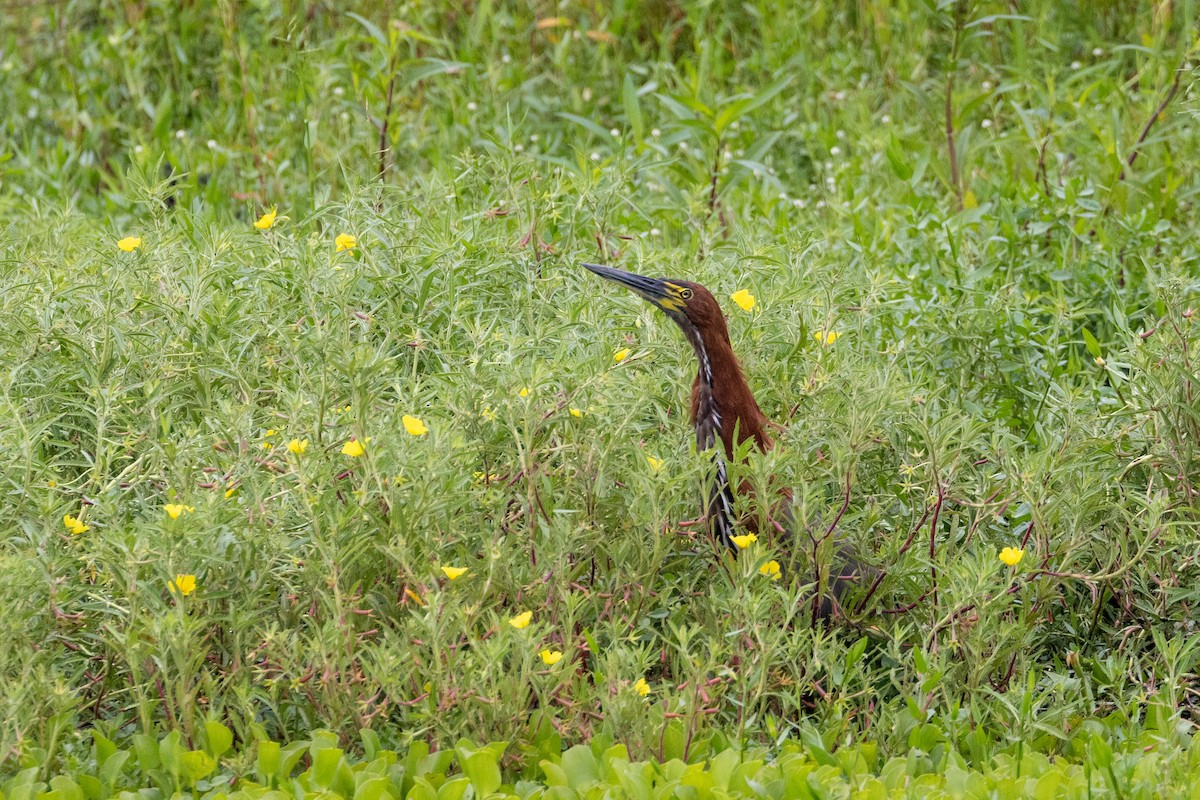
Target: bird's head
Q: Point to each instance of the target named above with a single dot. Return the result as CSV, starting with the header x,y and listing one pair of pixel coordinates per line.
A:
x,y
690,305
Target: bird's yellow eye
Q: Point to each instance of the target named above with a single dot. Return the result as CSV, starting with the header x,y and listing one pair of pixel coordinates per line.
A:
x,y
685,293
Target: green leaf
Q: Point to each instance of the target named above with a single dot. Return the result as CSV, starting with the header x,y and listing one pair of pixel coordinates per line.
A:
x,y
453,789
372,29
372,789
218,738
586,123
1093,346
421,789
195,765
633,110
104,747
325,767
112,768
268,761
170,752
580,767
898,159
66,788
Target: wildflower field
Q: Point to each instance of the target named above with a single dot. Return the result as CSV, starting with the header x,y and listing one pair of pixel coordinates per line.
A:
x,y
327,470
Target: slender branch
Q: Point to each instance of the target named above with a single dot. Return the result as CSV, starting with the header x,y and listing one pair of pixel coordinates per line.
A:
x,y
1158,112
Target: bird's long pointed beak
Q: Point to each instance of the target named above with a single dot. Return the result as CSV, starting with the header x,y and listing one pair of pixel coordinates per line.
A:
x,y
652,289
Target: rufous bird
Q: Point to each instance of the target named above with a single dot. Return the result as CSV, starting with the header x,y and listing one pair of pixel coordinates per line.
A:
x,y
723,407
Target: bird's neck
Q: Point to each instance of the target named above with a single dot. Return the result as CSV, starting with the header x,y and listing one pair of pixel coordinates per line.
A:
x,y
722,404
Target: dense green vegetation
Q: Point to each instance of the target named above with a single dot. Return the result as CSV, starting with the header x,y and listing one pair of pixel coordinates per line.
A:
x,y
237,458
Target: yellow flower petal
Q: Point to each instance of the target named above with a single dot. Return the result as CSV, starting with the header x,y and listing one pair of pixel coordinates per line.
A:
x,y
130,243
655,463
770,569
175,509
744,299
524,391
266,220
621,355
744,541
521,620
551,657
230,490
575,412
454,573
1012,556
298,446
414,426
184,584
353,448
826,338
641,687
345,241
75,525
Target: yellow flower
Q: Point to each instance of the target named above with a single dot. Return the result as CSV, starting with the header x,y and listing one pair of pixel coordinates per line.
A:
x,y
230,490
353,448
130,243
270,432
298,446
175,509
454,573
486,477
521,620
75,525
826,338
184,584
345,241
655,463
575,412
550,657
641,687
266,220
1011,556
621,355
771,569
488,414
744,541
524,391
414,426
744,299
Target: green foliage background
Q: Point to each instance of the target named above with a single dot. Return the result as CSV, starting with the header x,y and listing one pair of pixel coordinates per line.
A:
x,y
1013,367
